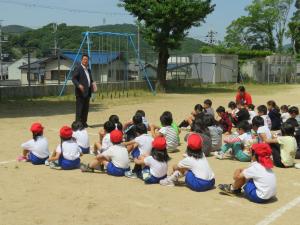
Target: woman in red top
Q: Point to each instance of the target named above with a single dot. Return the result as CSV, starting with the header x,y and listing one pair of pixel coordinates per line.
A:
x,y
243,97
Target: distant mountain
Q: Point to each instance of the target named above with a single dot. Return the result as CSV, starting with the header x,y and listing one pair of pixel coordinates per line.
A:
x,y
15,29
41,40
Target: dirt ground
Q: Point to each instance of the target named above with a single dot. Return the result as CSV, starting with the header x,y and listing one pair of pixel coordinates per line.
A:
x,y
38,195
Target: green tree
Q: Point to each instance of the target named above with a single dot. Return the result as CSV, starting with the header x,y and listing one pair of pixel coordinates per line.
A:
x,y
263,28
165,24
294,29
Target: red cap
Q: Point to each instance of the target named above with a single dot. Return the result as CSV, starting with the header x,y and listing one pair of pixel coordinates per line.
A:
x,y
264,152
159,143
116,136
194,142
36,128
66,132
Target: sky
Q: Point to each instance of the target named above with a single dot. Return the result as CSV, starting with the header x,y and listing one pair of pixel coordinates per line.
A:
x,y
37,13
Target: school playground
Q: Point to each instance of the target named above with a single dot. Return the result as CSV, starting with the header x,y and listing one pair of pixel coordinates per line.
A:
x,y
39,195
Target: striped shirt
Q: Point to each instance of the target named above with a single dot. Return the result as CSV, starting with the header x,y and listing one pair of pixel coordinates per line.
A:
x,y
171,137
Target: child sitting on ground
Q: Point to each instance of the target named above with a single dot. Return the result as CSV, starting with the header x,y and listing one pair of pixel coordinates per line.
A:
x,y
262,111
215,132
129,130
274,115
117,125
252,113
140,146
262,131
167,131
207,105
155,165
294,123
67,154
104,143
258,180
195,168
225,121
294,113
242,114
35,150
284,113
115,159
284,152
233,112
240,145
81,136
198,111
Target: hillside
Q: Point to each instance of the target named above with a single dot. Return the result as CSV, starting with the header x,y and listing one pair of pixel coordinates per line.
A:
x,y
15,29
70,37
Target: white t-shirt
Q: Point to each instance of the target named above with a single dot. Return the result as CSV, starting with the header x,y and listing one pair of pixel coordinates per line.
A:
x,y
82,138
267,121
252,115
285,116
70,150
199,167
118,155
144,142
246,139
39,147
171,137
264,130
106,143
157,169
264,180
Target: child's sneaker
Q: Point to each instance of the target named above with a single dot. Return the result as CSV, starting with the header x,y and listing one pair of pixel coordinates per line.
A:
x,y
167,182
86,168
130,174
54,165
219,155
47,163
22,158
297,165
227,188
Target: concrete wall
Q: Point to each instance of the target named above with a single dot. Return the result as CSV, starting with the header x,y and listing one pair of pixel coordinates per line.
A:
x,y
54,90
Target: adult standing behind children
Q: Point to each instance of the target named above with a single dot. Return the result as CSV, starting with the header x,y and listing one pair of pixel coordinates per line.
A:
x,y
243,97
83,82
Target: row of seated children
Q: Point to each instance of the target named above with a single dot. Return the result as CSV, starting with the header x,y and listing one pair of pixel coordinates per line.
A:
x,y
194,166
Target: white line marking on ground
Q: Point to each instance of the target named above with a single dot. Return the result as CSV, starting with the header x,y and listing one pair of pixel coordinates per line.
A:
x,y
279,212
6,162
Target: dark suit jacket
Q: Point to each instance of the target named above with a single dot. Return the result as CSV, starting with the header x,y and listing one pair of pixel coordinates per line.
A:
x,y
79,77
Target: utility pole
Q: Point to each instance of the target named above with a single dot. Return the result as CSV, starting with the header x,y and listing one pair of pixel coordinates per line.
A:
x,y
211,37
28,67
139,51
1,68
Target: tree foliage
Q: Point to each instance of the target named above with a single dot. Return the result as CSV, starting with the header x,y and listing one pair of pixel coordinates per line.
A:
x,y
263,28
294,29
165,23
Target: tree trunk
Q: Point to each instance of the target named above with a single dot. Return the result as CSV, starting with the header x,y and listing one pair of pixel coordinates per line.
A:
x,y
163,57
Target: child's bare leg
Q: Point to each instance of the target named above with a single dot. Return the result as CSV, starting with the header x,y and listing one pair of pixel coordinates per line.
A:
x,y
25,152
130,148
238,181
95,163
97,146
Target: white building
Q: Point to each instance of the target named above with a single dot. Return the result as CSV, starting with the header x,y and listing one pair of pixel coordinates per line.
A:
x,y
214,68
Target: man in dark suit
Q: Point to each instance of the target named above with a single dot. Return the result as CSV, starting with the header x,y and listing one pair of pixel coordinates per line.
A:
x,y
82,80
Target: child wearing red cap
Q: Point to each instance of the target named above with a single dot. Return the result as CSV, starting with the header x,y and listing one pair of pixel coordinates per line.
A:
x,y
198,174
258,179
67,154
115,159
155,165
35,150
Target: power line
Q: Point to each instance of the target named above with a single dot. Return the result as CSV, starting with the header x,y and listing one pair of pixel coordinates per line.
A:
x,y
71,10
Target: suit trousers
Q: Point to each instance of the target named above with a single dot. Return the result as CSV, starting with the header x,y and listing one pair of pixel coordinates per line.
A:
x,y
82,109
